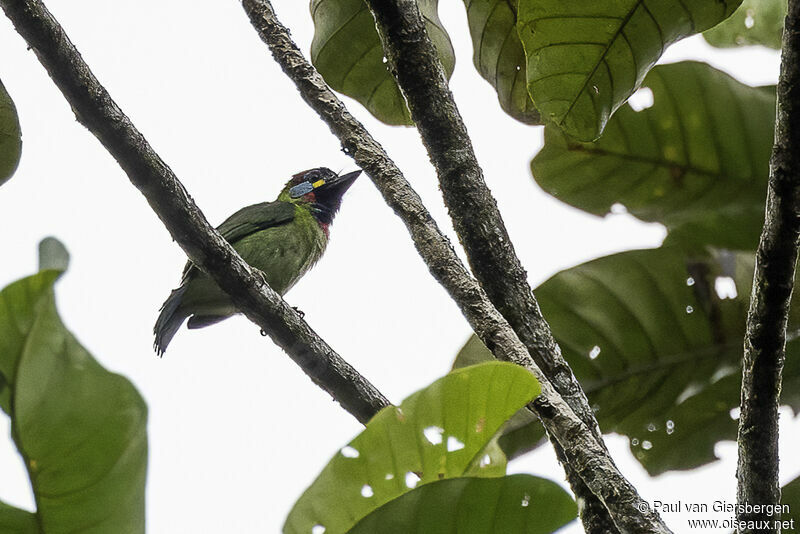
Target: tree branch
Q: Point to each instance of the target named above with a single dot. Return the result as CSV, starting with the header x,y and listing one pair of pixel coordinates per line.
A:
x,y
476,218
765,338
580,444
95,109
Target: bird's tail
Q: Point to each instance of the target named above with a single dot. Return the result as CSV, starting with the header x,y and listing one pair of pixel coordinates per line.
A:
x,y
169,320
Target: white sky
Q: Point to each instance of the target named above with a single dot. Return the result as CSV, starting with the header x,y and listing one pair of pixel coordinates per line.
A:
x,y
236,430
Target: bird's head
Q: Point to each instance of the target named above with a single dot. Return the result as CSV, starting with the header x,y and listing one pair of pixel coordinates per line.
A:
x,y
320,189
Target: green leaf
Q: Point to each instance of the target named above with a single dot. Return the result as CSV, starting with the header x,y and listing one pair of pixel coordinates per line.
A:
x,y
586,57
347,52
10,136
696,161
756,22
498,55
16,521
80,429
790,495
438,432
516,503
53,255
655,347
20,305
522,432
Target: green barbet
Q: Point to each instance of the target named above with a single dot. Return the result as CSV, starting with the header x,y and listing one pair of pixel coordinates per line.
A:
x,y
283,239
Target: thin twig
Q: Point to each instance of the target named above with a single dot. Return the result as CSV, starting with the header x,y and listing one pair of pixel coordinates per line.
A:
x,y
95,109
473,210
765,339
581,447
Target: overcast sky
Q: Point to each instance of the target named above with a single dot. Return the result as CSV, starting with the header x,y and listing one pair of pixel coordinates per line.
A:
x,y
236,430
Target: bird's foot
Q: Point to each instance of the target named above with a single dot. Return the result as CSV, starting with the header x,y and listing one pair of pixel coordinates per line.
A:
x,y
300,312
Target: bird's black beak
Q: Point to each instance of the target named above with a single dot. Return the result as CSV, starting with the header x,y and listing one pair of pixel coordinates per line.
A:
x,y
335,187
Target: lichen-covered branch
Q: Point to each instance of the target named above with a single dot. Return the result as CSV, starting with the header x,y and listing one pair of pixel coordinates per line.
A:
x,y
765,338
476,218
584,452
96,110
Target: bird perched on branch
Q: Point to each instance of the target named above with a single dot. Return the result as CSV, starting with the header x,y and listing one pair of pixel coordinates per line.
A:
x,y
283,239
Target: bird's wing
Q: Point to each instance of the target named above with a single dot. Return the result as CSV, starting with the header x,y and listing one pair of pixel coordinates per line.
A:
x,y
250,220
255,218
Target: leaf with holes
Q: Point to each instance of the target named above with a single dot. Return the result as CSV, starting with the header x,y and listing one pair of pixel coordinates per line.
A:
x,y
347,52
756,22
525,504
10,136
655,338
696,161
586,57
80,429
437,433
498,55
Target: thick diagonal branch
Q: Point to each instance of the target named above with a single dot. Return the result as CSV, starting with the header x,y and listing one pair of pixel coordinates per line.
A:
x,y
476,219
582,449
765,339
95,109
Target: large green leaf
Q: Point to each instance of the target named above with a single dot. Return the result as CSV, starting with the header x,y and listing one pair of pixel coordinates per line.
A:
x,y
586,57
498,55
16,521
521,504
696,161
347,51
80,429
10,136
438,432
656,349
756,22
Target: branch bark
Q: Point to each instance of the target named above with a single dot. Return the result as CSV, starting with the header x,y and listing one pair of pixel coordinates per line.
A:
x,y
582,449
776,258
476,218
95,109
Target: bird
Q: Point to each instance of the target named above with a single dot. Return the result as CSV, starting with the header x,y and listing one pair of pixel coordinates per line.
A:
x,y
283,239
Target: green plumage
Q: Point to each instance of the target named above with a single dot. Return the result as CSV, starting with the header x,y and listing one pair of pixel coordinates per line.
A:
x,y
283,239
284,242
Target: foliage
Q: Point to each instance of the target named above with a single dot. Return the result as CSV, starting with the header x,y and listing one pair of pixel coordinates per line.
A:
x,y
444,431
347,51
756,22
10,136
585,58
790,495
575,62
525,504
655,338
696,161
86,456
499,57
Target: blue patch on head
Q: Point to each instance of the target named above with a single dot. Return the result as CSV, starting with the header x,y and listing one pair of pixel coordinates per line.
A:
x,y
300,189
